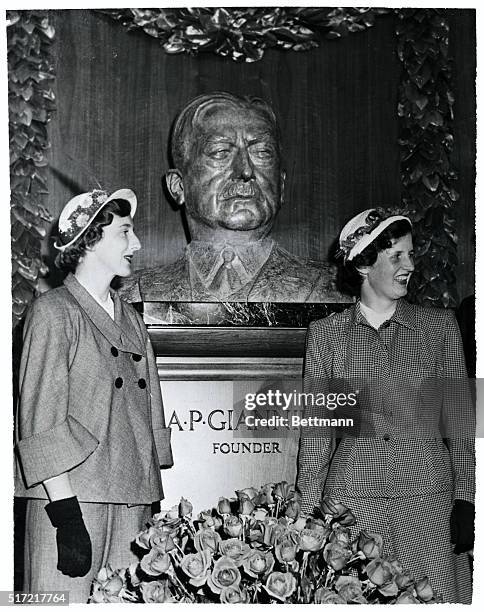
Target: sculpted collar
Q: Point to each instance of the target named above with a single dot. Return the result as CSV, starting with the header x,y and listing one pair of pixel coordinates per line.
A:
x,y
207,258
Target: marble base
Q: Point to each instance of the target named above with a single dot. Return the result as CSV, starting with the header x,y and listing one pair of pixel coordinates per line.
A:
x,y
237,314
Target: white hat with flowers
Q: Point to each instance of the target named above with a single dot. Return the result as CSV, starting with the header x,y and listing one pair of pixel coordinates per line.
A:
x,y
364,228
79,213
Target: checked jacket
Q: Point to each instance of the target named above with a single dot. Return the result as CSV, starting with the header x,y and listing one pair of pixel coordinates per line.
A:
x,y
415,421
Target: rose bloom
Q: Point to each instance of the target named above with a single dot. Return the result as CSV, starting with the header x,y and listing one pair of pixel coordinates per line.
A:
x,y
293,509
143,538
343,581
208,520
172,513
311,540
249,492
283,490
184,507
424,590
107,587
259,514
379,571
326,596
166,519
396,565
223,506
406,598
224,574
162,541
155,563
156,591
235,549
157,535
246,506
352,593
370,544
266,494
258,563
319,526
272,531
196,566
341,535
336,555
390,589
233,595
285,550
403,579
232,526
207,539
300,524
280,585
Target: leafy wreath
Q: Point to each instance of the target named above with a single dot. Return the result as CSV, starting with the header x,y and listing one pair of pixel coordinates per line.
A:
x,y
244,34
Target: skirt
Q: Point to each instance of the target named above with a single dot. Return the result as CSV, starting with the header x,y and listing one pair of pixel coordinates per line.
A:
x,y
111,527
416,531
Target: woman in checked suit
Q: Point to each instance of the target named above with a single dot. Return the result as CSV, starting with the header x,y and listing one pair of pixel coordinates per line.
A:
x,y
408,471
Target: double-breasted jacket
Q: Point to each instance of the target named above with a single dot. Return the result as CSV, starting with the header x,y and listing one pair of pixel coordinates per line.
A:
x,y
90,401
415,419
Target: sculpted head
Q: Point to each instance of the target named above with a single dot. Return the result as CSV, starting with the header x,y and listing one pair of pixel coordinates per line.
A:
x,y
228,172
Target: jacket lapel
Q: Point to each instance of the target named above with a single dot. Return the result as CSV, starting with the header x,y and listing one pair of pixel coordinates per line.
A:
x,y
118,332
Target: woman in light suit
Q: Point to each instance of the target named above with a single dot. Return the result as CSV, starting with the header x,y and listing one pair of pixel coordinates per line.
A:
x,y
91,434
406,366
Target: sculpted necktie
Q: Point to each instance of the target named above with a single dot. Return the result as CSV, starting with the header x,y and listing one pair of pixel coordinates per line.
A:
x,y
226,279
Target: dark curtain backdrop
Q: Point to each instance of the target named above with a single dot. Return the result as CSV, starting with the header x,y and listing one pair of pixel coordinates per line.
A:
x,y
118,93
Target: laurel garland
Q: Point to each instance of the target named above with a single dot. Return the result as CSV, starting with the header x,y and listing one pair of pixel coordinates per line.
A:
x,y
244,34
426,140
424,110
31,103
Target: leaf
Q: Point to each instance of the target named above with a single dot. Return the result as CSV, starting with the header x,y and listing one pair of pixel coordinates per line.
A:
x,y
431,182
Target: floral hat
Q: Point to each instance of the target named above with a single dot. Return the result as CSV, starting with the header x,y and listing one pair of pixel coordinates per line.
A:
x,y
79,213
362,230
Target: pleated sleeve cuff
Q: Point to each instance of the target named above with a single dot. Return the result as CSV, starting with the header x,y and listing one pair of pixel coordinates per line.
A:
x,y
163,446
57,450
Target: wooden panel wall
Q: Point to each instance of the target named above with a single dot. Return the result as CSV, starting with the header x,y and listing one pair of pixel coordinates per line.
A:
x,y
118,93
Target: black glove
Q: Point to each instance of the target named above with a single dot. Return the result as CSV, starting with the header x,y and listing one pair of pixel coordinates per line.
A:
x,y
155,507
74,552
462,526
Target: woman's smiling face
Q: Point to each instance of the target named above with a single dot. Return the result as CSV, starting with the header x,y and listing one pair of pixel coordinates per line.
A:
x,y
387,279
114,252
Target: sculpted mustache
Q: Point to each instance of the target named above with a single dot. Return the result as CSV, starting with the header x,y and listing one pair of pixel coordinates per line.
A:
x,y
244,190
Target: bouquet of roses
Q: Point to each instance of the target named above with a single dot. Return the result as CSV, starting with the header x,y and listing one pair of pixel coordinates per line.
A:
x,y
260,548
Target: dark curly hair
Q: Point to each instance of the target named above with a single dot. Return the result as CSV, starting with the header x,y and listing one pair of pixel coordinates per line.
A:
x,y
350,279
69,259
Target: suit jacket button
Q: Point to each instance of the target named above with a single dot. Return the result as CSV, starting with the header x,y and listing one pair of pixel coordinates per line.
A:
x,y
142,383
386,437
136,357
114,351
118,383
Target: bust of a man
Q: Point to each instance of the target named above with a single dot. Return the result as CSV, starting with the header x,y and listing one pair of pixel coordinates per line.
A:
x,y
228,177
